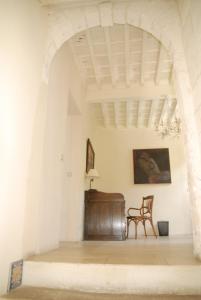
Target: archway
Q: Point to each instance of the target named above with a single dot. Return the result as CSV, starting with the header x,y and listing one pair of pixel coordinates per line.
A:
x,y
163,23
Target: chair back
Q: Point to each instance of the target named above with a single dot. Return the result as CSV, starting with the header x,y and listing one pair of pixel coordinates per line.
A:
x,y
147,206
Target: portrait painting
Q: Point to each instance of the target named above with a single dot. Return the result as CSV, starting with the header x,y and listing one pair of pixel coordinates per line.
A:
x,y
90,159
151,166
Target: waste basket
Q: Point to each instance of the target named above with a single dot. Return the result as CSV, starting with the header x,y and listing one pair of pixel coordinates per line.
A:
x,y
163,228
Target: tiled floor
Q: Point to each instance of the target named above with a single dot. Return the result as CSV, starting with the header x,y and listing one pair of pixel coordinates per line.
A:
x,y
150,251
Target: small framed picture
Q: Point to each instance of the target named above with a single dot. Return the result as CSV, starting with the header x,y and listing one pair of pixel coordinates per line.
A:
x,y
90,159
15,274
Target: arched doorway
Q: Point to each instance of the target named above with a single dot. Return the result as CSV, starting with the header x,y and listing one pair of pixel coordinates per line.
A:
x,y
162,22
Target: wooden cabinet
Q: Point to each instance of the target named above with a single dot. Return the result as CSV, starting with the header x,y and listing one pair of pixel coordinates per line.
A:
x,y
104,216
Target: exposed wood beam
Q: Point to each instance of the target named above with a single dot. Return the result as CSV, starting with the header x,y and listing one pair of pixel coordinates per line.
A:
x,y
109,52
105,13
168,110
159,64
127,54
173,113
128,113
94,63
104,109
81,70
69,4
163,111
144,38
116,114
171,76
140,103
152,113
107,92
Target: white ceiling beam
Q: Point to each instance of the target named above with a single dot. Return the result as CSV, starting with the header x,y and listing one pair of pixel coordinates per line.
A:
x,y
159,64
168,110
128,113
173,113
104,110
127,54
116,114
139,113
164,111
78,65
152,113
68,3
106,13
109,53
94,63
107,92
171,76
144,38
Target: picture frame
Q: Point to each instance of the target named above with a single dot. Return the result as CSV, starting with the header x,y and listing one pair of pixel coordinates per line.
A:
x,y
90,156
16,272
151,166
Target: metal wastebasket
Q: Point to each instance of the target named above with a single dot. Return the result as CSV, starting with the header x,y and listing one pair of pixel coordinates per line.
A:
x,y
163,228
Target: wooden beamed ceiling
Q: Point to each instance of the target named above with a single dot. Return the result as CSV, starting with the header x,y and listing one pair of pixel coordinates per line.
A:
x,y
138,113
120,53
125,56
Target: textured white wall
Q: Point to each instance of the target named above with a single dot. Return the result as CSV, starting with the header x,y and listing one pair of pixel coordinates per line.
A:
x,y
191,26
23,31
114,162
191,93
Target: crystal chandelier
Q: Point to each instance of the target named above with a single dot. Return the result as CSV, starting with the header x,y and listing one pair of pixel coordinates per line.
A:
x,y
171,129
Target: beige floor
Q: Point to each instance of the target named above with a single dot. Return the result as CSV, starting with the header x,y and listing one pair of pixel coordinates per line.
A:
x,y
150,251
26,293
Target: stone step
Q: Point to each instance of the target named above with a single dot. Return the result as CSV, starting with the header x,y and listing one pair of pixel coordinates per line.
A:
x,y
35,293
113,278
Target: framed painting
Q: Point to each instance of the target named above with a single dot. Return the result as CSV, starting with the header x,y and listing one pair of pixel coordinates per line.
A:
x,y
151,166
90,159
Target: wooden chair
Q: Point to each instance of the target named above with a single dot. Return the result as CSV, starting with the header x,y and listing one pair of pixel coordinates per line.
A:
x,y
145,214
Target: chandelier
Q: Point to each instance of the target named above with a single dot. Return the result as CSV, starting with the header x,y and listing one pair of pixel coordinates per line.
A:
x,y
171,129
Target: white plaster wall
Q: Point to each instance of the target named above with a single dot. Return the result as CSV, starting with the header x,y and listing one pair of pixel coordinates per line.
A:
x,y
62,158
23,32
114,162
73,201
191,25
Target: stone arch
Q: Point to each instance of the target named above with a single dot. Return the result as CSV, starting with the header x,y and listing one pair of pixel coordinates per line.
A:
x,y
161,19
147,15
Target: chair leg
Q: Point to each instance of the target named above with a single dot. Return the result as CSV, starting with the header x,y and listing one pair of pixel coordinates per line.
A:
x,y
144,228
153,228
136,223
127,229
